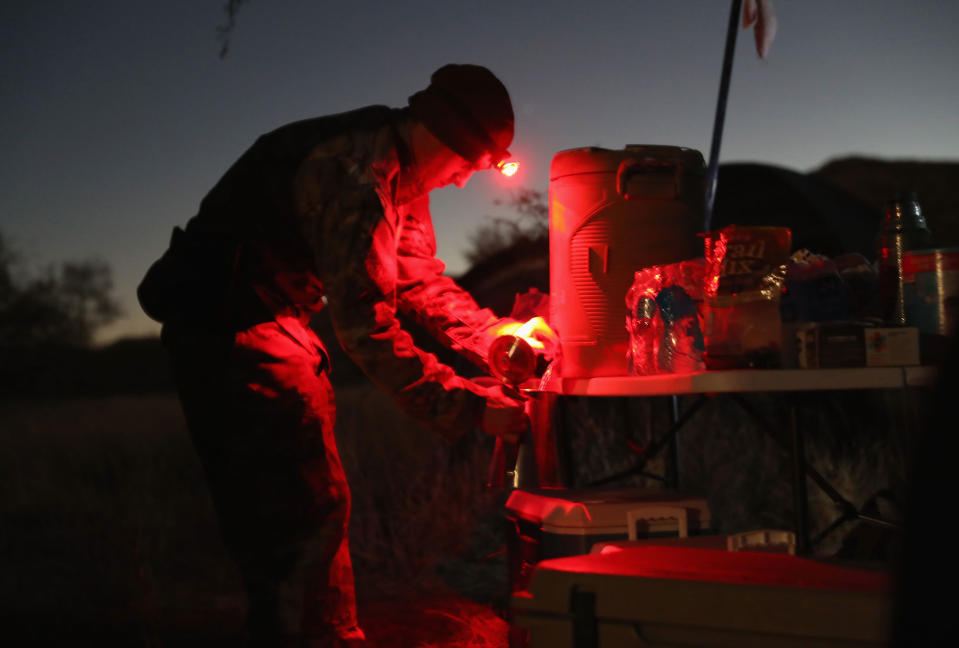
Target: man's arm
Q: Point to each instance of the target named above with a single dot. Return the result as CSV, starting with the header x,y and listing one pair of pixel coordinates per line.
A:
x,y
355,249
434,300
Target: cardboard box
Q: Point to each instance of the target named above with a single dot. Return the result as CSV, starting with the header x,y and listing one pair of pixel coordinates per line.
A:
x,y
824,345
892,347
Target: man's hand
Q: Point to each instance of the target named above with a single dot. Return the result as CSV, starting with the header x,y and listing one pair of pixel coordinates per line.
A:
x,y
546,336
541,338
505,414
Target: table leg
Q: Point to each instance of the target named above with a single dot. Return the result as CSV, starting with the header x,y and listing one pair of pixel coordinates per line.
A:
x,y
564,449
800,511
673,467
802,469
652,450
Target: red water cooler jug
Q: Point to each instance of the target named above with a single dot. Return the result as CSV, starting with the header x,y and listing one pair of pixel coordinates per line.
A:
x,y
612,212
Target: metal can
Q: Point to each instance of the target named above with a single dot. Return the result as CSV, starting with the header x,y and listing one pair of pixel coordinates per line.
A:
x,y
931,289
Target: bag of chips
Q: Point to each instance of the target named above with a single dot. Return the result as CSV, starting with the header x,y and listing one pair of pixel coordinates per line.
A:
x,y
745,270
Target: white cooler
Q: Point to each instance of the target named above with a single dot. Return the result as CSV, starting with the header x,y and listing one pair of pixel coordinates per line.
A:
x,y
552,523
680,596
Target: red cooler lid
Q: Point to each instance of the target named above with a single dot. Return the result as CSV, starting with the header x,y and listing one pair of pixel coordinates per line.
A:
x,y
593,159
745,568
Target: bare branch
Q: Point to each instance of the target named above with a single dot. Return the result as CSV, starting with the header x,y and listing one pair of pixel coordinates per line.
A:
x,y
223,32
529,225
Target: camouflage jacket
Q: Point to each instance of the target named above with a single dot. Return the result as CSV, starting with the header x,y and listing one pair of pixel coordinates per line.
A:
x,y
327,225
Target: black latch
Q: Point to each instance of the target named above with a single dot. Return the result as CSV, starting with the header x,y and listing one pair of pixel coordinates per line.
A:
x,y
582,607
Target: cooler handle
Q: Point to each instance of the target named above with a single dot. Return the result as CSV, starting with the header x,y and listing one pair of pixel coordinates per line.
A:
x,y
678,513
631,166
759,539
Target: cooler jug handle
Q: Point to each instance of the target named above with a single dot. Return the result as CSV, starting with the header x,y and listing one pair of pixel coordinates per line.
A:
x,y
631,166
677,513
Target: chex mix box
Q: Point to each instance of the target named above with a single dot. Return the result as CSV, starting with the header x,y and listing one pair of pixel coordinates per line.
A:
x,y
824,345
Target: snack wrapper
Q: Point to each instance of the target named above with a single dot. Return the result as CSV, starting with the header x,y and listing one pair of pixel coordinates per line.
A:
x,y
814,290
745,271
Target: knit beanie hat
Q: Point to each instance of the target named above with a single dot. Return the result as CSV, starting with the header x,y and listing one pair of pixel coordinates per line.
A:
x,y
468,109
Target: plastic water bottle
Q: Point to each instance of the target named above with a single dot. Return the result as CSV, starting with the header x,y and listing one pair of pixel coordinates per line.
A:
x,y
681,350
645,328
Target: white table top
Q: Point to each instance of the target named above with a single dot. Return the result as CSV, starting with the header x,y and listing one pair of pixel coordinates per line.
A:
x,y
751,380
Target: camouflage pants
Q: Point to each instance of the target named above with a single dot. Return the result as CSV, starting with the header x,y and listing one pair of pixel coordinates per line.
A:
x,y
261,415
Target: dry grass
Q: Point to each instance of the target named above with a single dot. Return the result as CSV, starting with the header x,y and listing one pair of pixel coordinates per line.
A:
x,y
859,441
433,622
106,517
108,531
418,503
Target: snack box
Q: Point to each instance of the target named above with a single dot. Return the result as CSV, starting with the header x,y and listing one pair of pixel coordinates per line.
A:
x,y
850,344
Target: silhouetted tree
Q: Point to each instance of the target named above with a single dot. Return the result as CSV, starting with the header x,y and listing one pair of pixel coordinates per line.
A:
x,y
7,259
62,307
528,228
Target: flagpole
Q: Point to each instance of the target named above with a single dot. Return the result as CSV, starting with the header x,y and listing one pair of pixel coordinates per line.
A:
x,y
712,171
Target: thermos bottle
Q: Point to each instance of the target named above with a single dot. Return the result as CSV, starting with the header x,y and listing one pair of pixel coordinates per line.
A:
x,y
903,228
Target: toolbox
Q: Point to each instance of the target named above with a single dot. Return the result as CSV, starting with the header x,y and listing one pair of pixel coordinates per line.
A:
x,y
680,596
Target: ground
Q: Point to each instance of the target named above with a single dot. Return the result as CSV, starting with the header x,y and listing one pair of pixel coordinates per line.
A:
x,y
108,535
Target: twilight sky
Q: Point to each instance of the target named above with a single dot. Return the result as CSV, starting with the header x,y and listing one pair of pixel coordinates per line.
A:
x,y
116,117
